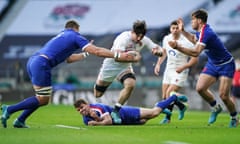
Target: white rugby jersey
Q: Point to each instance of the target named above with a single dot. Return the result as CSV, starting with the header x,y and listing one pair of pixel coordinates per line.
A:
x,y
124,43
176,58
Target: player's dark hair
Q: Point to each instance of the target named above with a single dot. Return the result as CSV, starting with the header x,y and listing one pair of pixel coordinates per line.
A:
x,y
201,14
79,102
174,22
71,24
139,27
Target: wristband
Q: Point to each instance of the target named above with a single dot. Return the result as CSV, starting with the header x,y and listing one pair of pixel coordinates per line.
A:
x,y
117,55
85,54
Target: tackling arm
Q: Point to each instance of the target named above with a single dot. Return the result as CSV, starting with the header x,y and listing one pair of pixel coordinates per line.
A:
x,y
136,57
191,52
76,57
103,52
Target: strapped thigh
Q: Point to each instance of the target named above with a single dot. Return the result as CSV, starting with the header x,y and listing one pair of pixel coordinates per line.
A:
x,y
128,75
45,91
100,88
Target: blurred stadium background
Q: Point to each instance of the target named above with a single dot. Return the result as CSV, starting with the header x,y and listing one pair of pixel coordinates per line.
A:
x,y
25,25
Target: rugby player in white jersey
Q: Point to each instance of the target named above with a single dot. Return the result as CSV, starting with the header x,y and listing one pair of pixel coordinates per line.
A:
x,y
177,69
128,41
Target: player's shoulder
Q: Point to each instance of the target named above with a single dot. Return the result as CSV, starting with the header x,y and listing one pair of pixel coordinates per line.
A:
x,y
122,39
182,38
146,39
125,34
167,37
208,30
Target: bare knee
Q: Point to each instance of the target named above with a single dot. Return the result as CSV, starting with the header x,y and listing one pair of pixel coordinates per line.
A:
x,y
98,94
43,100
200,89
224,97
129,87
129,84
155,114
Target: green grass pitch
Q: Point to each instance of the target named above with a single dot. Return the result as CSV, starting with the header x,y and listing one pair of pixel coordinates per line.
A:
x,y
193,129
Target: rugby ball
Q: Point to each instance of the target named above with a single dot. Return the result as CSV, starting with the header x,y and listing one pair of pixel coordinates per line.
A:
x,y
133,53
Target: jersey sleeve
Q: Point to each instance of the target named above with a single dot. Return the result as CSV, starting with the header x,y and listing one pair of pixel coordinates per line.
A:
x,y
120,43
203,36
149,43
102,109
165,42
81,42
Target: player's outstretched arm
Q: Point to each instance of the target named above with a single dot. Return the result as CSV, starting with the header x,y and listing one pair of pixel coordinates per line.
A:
x,y
77,57
191,52
103,52
134,56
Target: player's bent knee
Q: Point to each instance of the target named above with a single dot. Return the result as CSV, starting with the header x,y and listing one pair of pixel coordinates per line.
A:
x,y
129,87
43,100
200,89
224,97
155,114
98,94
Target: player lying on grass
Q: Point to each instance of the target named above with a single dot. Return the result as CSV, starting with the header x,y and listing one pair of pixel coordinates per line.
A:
x,y
100,114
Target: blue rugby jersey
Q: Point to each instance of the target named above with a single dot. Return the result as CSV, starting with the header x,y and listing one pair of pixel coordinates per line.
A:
x,y
99,109
129,114
62,46
214,48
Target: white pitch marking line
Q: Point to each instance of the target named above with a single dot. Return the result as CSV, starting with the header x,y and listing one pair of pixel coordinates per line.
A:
x,y
70,127
174,142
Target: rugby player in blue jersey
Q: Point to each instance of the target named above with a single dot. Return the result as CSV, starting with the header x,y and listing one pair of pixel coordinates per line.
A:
x,y
220,65
100,114
60,48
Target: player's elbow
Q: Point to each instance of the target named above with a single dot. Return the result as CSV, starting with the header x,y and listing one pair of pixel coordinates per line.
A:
x,y
99,52
137,58
69,60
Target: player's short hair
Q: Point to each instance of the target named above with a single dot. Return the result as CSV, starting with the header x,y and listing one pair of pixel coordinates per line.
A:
x,y
140,27
174,22
79,102
201,14
71,24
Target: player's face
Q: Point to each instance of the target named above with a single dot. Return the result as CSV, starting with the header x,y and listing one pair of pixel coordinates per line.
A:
x,y
83,109
194,23
174,29
137,37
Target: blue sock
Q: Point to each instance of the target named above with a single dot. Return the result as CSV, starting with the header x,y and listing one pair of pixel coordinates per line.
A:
x,y
165,103
27,103
26,113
